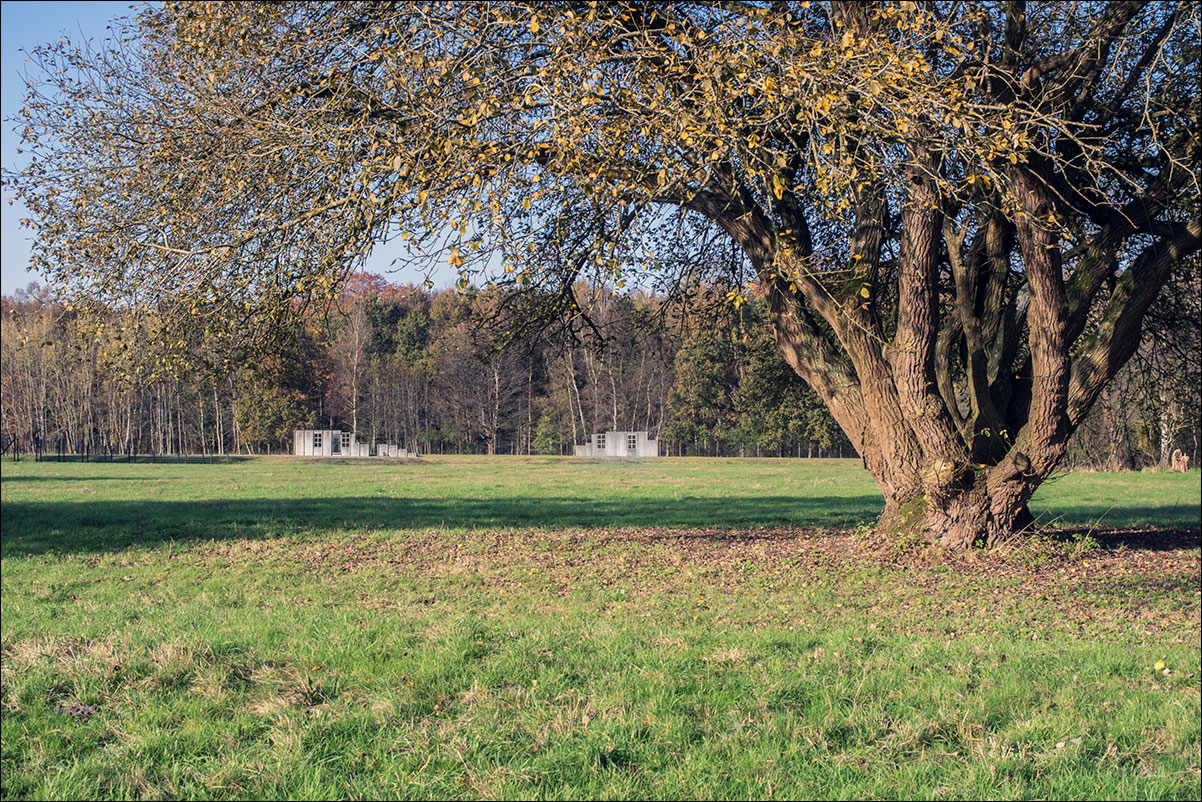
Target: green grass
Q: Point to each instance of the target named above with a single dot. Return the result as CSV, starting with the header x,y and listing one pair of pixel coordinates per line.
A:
x,y
508,627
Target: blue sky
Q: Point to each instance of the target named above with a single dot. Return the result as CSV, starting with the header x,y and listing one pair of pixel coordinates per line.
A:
x,y
24,26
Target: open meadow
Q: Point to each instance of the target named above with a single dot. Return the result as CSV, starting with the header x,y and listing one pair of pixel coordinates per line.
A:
x,y
559,628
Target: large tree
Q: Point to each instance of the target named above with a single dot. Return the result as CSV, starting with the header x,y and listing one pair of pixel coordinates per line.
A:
x,y
960,212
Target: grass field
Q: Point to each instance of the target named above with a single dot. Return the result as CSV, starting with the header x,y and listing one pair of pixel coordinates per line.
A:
x,y
513,627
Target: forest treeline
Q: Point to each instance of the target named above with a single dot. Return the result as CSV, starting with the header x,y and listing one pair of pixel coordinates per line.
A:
x,y
443,371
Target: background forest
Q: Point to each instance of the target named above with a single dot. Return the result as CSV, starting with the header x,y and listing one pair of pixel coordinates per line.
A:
x,y
444,371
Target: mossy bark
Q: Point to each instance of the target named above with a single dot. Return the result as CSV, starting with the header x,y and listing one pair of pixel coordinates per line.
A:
x,y
958,517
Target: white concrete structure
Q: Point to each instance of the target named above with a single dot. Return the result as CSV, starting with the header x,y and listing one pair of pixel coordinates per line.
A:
x,y
392,450
335,443
619,444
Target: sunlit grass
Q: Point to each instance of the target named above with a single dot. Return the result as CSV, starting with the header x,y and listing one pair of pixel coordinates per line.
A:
x,y
672,629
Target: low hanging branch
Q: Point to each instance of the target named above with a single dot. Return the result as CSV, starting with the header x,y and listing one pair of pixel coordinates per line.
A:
x,y
959,214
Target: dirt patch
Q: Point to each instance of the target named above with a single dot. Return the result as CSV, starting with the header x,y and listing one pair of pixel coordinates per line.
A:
x,y
650,557
77,711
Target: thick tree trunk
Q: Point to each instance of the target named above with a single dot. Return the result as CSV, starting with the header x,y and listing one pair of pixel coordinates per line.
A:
x,y
952,476
934,491
972,512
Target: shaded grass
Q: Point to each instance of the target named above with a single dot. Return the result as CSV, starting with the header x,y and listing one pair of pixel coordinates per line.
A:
x,y
102,506
246,633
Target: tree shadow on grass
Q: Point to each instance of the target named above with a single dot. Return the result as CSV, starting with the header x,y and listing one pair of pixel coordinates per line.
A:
x,y
91,527
106,478
35,527
1138,538
1086,516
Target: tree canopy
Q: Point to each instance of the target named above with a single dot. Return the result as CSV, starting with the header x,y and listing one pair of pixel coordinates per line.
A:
x,y
960,212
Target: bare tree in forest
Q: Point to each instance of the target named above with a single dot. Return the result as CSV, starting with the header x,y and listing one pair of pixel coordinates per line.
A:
x,y
348,352
960,213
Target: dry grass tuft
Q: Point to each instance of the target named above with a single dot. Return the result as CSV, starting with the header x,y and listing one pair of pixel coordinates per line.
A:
x,y
732,655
